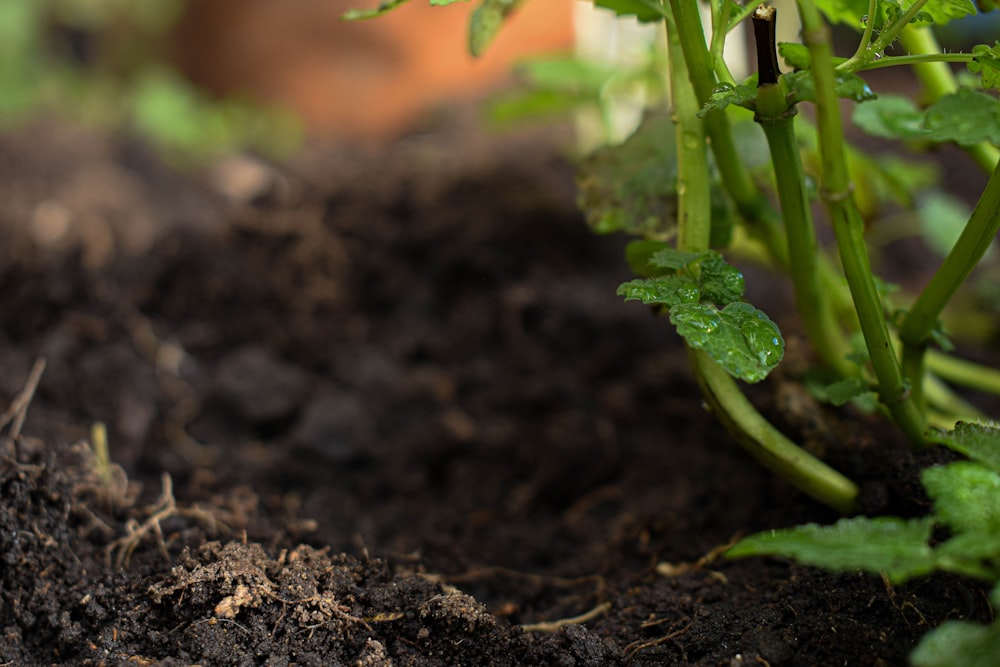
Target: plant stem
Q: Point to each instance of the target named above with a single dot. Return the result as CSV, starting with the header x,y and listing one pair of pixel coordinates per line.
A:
x,y
922,319
694,203
754,433
750,202
963,372
848,229
765,443
776,117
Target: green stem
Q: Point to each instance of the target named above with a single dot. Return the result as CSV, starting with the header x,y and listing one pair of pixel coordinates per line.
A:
x,y
766,444
965,373
735,412
849,229
750,202
912,59
862,53
923,317
889,35
776,117
694,203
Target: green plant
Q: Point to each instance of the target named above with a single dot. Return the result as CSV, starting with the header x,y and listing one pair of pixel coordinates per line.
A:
x,y
688,183
966,497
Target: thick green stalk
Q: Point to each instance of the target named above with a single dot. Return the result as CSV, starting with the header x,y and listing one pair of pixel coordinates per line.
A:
x,y
694,202
972,244
765,443
750,202
849,229
754,433
776,117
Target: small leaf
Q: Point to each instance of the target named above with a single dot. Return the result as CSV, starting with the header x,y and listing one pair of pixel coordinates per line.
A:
x,y
942,218
966,498
842,391
670,291
633,187
980,442
644,12
897,547
965,117
364,14
720,283
740,338
743,95
796,55
671,258
846,84
485,22
986,62
958,643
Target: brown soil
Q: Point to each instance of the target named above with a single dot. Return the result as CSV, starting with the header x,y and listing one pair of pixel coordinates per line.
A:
x,y
386,409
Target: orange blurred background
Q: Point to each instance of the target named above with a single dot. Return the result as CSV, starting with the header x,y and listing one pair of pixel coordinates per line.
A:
x,y
364,79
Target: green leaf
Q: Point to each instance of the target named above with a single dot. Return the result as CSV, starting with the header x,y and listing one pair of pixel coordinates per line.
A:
x,y
743,95
897,547
485,22
987,64
966,498
720,283
633,187
669,291
645,12
847,85
958,643
740,338
842,391
941,12
364,14
965,117
980,442
671,258
942,219
796,55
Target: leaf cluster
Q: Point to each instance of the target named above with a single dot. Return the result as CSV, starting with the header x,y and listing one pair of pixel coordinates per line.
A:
x,y
704,297
966,497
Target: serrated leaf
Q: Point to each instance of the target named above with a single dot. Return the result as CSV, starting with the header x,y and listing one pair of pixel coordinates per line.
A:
x,y
669,291
642,11
639,255
720,283
941,12
849,12
958,643
842,391
980,442
796,55
897,547
671,258
632,187
485,22
966,498
846,84
364,14
742,95
965,117
740,338
986,63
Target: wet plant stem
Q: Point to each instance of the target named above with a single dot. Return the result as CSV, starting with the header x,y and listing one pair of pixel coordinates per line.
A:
x,y
923,316
848,228
777,117
751,430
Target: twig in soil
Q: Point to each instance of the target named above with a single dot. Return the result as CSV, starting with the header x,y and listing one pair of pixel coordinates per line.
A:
x,y
18,408
636,647
665,569
555,626
164,508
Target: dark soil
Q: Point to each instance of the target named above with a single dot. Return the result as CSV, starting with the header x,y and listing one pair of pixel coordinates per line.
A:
x,y
384,408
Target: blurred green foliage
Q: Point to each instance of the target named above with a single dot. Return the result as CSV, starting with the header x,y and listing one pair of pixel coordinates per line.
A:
x,y
106,62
